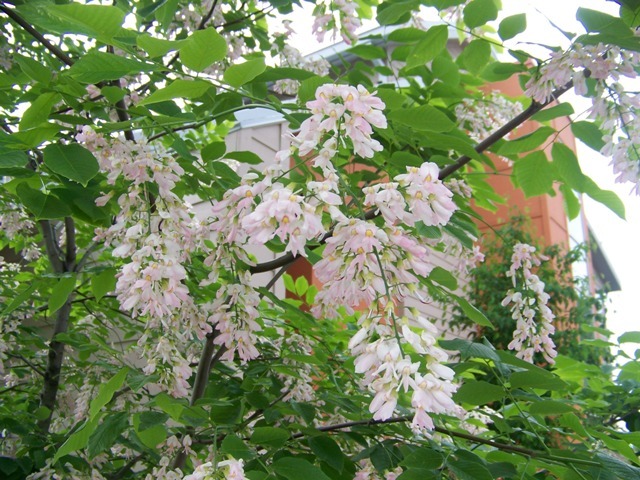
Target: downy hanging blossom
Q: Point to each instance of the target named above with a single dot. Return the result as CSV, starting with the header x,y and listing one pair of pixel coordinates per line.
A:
x,y
155,242
340,112
380,348
529,308
230,469
419,191
615,109
481,117
336,16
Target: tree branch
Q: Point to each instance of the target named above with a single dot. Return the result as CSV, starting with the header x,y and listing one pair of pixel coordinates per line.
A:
x,y
207,360
288,258
466,436
63,57
56,348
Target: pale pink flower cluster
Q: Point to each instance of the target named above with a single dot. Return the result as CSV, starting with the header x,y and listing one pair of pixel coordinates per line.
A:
x,y
481,117
336,16
155,234
614,108
286,215
477,420
167,360
15,224
234,314
363,262
230,469
419,191
340,113
529,308
368,472
299,387
381,349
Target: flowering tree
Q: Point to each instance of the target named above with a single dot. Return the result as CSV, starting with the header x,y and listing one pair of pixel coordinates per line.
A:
x,y
136,338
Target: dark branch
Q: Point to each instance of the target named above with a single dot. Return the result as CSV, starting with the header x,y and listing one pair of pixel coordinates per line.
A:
x,y
466,436
63,57
207,359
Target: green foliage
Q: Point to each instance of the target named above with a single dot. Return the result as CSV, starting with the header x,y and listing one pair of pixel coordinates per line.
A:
x,y
576,309
88,389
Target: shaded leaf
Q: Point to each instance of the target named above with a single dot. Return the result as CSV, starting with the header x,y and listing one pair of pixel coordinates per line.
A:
x,y
202,48
72,161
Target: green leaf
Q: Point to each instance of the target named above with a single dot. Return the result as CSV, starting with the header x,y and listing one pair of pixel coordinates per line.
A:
x,y
95,21
434,41
301,286
107,433
475,56
478,12
178,89
424,458
202,48
12,158
294,468
390,13
560,110
629,337
72,161
106,391
368,52
606,197
327,450
534,174
244,157
270,436
170,405
444,278
423,118
242,73
152,437
271,74
512,26
156,47
566,164
39,110
20,298
596,21
550,407
589,134
478,393
537,379
227,413
308,87
473,313
78,440
470,349
617,468
96,67
103,283
235,446
571,202
213,151
60,293
33,69
44,207
467,470
526,143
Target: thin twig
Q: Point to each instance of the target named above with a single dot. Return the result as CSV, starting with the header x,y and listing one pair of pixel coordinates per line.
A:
x,y
63,57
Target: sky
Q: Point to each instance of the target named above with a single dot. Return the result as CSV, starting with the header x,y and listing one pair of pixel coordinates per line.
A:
x,y
618,238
